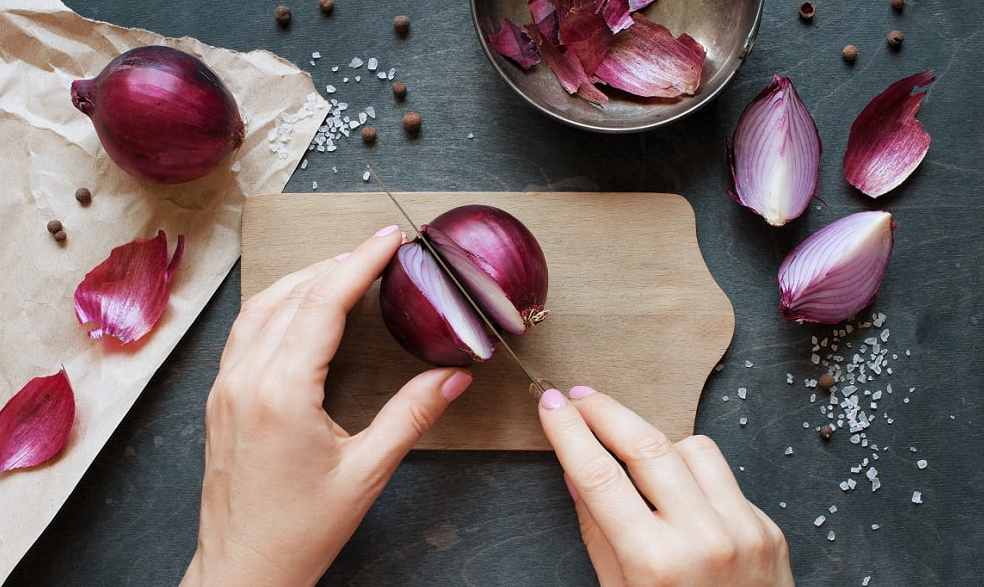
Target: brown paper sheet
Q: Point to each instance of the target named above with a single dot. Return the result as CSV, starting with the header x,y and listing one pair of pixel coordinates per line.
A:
x,y
49,149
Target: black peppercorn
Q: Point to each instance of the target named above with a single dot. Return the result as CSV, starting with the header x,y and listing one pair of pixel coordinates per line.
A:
x,y
401,24
399,90
368,134
807,11
54,226
850,53
282,14
411,122
895,39
326,6
83,195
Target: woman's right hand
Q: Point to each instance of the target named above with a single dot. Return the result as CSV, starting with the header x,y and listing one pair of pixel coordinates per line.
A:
x,y
702,532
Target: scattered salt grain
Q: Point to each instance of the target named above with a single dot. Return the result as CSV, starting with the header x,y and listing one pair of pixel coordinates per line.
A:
x,y
372,64
748,364
314,185
832,509
742,392
789,378
471,135
819,521
875,526
831,536
237,166
355,63
917,497
742,421
782,504
316,55
366,176
788,451
725,398
370,112
922,463
865,581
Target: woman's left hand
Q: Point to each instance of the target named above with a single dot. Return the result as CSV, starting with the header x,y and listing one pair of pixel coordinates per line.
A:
x,y
285,487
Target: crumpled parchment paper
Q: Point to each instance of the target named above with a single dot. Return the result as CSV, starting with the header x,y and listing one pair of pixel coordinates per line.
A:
x,y
49,149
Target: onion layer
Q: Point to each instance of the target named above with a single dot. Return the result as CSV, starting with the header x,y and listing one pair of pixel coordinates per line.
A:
x,y
497,261
161,114
887,143
775,154
36,422
837,271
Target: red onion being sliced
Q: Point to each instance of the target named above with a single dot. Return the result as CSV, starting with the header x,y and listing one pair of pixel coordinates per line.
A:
x,y
36,422
775,154
493,256
161,114
837,271
887,143
497,259
426,313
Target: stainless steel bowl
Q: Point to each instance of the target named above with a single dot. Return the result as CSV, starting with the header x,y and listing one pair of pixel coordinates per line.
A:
x,y
726,29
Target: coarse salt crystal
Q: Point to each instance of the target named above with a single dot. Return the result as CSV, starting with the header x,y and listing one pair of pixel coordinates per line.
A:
x,y
742,421
370,112
372,64
237,166
725,398
875,484
356,62
314,185
831,536
330,89
875,526
819,521
832,509
917,497
865,581
922,463
304,164
748,364
742,392
788,451
366,176
782,504
316,55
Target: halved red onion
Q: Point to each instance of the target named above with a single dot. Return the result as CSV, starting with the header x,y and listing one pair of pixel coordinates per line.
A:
x,y
775,154
646,60
496,260
426,313
837,271
36,422
126,294
514,43
886,142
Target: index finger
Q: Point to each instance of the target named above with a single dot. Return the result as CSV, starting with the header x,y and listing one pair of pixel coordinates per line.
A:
x,y
309,327
609,495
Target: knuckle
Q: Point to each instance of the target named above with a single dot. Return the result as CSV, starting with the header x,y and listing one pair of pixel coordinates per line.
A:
x,y
720,551
650,446
700,443
421,418
600,474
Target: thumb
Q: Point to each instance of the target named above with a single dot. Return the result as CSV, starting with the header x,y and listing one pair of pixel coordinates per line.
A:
x,y
411,412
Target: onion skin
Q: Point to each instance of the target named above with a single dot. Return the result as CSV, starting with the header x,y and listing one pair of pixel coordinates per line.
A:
x,y
836,272
161,114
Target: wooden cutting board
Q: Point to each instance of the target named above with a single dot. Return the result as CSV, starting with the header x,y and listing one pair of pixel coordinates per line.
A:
x,y
633,309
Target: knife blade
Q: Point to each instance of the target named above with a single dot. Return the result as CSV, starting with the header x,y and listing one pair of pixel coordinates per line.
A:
x,y
537,385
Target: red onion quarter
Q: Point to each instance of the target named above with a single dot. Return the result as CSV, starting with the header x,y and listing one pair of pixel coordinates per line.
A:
x,y
837,271
161,114
495,258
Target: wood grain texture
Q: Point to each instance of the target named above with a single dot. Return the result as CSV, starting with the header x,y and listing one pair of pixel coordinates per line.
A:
x,y
634,310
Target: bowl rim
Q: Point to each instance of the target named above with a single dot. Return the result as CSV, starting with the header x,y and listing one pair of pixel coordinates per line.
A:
x,y
701,101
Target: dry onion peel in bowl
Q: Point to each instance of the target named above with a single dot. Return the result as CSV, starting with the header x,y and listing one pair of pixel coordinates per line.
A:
x,y
605,42
837,271
775,154
36,422
886,142
125,295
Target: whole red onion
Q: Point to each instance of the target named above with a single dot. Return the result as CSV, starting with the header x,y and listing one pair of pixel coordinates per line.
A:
x,y
161,114
493,256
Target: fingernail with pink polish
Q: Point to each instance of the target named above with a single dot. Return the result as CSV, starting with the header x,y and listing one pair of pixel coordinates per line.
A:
x,y
342,256
455,385
387,230
552,399
580,392
570,487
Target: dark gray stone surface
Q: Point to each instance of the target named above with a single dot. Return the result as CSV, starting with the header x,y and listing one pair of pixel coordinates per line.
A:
x,y
486,519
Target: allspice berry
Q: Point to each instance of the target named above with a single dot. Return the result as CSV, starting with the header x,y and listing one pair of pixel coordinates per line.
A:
x,y
826,431
60,236
826,381
401,24
326,6
411,122
83,196
54,226
849,53
282,14
399,90
807,11
895,39
898,4
368,134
